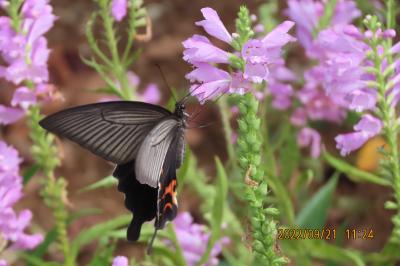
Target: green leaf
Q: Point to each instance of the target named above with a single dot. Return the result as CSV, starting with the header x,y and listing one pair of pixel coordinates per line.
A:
x,y
35,261
267,12
217,210
314,213
325,19
322,250
352,172
108,181
30,172
93,233
289,156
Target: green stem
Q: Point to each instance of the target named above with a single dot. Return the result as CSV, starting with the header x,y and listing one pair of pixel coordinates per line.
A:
x,y
180,259
225,116
118,68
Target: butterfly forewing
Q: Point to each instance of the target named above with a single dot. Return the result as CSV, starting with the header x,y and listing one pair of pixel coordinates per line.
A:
x,y
111,130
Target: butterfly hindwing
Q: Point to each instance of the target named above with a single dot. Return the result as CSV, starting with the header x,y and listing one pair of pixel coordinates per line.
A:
x,y
140,199
111,130
167,205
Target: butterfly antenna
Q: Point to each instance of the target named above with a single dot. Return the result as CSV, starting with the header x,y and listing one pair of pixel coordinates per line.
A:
x,y
190,93
203,126
150,245
166,82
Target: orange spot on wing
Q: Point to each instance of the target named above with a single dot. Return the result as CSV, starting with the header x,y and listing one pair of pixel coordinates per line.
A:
x,y
170,189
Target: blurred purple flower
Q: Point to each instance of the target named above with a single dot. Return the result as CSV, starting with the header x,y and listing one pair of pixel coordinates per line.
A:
x,y
193,239
151,94
310,137
119,9
12,226
9,115
3,263
120,261
299,117
307,13
365,129
281,94
213,25
23,97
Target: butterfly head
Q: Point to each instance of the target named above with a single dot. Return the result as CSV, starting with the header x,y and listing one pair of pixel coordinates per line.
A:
x,y
180,110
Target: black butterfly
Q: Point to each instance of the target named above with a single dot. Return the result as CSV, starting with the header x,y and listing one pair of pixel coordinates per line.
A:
x,y
145,141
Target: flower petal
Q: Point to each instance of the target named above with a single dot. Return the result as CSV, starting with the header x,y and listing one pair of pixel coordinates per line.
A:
x,y
213,25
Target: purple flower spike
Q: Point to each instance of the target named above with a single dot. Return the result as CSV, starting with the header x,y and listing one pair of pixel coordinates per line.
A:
x,y
120,261
366,128
199,49
307,13
213,25
119,9
12,226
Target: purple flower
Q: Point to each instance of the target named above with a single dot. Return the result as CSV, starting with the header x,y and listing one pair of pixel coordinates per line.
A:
x,y
119,9
12,226
213,25
199,49
26,52
23,97
209,82
193,239
262,55
365,129
120,261
9,115
310,137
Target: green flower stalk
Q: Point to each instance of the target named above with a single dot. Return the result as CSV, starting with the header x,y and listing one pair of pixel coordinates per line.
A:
x,y
249,143
249,156
387,113
54,190
111,65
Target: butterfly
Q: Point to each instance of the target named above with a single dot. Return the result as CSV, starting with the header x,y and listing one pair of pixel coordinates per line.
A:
x,y
145,141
